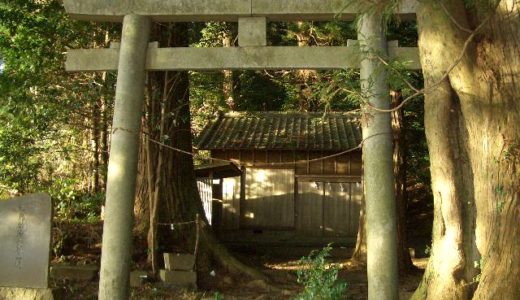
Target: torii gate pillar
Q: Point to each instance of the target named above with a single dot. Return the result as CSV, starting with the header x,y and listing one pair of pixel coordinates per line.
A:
x,y
122,168
381,223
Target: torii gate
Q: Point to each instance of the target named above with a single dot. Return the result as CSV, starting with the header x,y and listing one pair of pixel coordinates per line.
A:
x,y
135,56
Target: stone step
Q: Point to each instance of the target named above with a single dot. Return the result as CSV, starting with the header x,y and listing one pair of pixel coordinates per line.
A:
x,y
179,261
183,279
71,272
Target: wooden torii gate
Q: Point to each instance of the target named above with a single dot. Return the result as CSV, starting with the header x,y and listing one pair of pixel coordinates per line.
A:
x,y
136,56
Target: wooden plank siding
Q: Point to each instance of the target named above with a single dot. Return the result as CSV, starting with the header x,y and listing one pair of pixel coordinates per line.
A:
x,y
269,199
316,199
336,209
356,201
230,219
309,209
348,164
329,209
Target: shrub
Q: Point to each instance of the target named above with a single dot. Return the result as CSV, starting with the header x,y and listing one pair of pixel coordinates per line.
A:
x,y
318,278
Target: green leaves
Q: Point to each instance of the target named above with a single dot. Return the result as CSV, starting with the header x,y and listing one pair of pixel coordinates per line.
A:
x,y
43,109
319,278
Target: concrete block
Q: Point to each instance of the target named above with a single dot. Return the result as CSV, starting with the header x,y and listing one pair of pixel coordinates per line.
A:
x,y
79,273
185,279
179,261
252,31
138,278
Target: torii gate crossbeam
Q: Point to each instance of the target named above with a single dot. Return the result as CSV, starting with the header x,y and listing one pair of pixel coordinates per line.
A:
x,y
237,58
222,10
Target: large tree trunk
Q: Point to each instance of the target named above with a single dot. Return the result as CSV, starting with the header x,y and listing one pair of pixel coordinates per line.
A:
x,y
470,119
167,186
187,203
495,155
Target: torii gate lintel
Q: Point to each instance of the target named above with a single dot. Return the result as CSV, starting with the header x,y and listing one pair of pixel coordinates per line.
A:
x,y
223,10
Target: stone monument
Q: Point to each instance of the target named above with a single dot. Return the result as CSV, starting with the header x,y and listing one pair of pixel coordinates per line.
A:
x,y
25,235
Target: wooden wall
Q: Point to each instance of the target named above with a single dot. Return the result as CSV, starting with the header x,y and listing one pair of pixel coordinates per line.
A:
x,y
230,218
269,199
346,164
329,209
316,199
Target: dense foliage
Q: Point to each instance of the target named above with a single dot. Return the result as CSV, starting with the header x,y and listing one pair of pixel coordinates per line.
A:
x,y
47,132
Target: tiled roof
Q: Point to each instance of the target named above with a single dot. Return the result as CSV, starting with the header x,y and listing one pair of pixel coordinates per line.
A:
x,y
333,131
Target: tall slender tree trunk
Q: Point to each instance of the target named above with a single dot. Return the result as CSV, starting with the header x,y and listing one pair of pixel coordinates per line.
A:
x,y
303,37
228,85
105,113
359,256
399,157
96,136
470,120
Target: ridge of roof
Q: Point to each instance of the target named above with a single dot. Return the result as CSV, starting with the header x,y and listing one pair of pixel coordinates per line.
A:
x,y
286,113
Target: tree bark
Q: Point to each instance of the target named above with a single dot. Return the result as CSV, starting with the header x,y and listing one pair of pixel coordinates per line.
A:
x,y
228,85
470,120
359,256
96,136
494,138
187,203
105,112
168,184
399,157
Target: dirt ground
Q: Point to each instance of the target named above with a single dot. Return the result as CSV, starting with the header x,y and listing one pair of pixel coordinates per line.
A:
x,y
218,285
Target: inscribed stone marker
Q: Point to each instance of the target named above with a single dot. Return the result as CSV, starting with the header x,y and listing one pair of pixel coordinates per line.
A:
x,y
25,234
